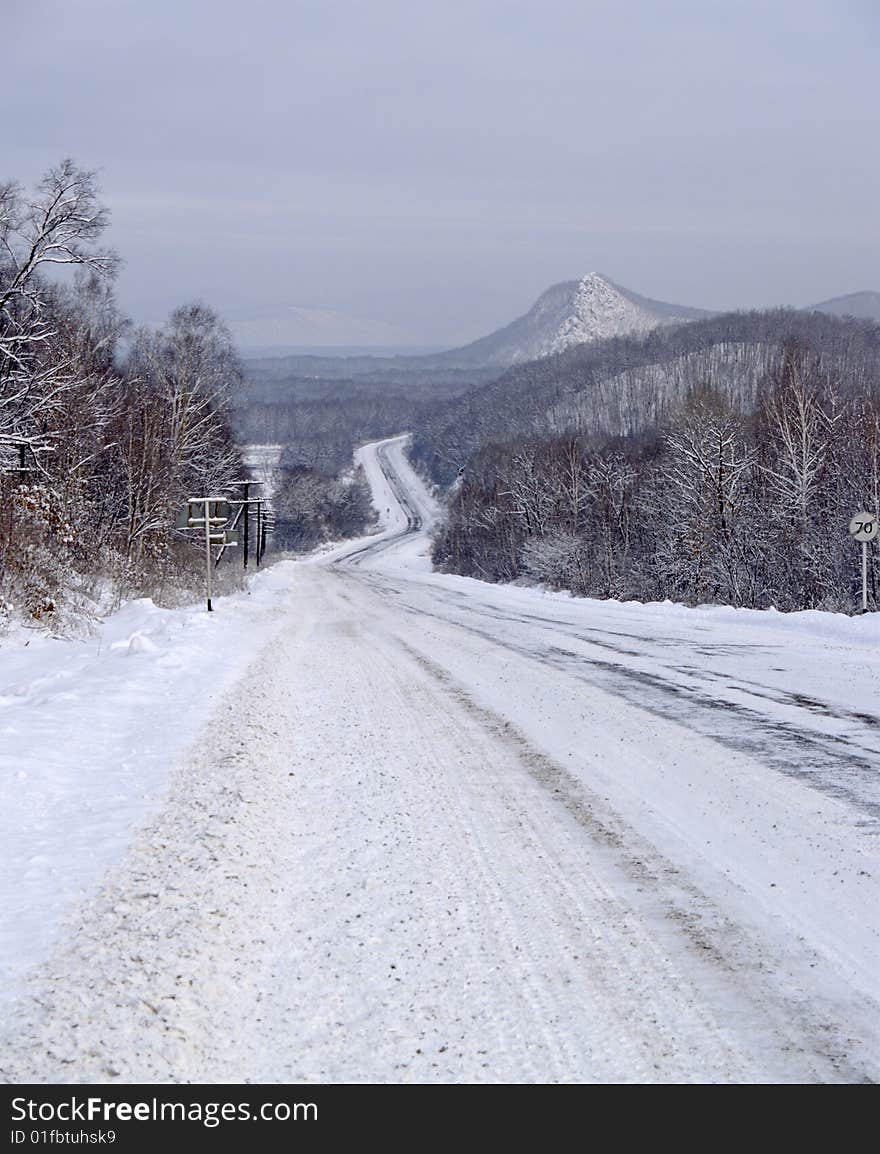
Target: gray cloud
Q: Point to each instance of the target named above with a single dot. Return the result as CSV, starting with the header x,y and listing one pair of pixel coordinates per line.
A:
x,y
433,167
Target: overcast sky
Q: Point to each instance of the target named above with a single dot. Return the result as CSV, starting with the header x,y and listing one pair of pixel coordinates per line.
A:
x,y
430,167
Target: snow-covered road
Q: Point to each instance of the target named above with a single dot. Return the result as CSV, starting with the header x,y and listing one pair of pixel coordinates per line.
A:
x,y
478,833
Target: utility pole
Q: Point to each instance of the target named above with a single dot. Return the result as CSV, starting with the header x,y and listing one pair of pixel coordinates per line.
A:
x,y
246,517
268,525
245,513
212,514
208,550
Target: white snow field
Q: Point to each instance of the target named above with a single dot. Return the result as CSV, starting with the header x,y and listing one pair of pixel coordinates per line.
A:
x,y
438,830
89,731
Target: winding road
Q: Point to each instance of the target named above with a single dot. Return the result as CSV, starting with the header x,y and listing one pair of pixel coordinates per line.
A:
x,y
482,833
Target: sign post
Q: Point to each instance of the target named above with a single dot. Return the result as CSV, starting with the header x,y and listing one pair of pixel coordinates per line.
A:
x,y
863,527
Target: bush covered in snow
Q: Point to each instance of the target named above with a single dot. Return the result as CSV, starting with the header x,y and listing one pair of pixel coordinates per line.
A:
x,y
312,507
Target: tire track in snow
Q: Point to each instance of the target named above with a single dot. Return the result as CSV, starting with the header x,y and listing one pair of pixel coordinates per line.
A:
x,y
723,950
428,898
839,764
823,1021
517,951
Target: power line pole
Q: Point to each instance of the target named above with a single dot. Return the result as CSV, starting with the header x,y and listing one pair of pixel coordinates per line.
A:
x,y
212,514
245,503
208,557
246,518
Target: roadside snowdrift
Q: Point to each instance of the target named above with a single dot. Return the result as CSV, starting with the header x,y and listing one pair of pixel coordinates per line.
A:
x,y
90,733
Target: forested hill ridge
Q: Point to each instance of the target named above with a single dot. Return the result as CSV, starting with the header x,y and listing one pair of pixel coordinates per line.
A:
x,y
624,386
720,461
321,407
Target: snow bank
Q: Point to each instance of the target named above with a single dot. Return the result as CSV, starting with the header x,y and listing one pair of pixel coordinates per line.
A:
x,y
850,630
90,733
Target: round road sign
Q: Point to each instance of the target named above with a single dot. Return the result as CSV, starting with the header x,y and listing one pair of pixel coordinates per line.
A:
x,y
863,527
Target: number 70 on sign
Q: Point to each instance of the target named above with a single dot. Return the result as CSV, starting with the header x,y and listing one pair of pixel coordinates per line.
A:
x,y
863,527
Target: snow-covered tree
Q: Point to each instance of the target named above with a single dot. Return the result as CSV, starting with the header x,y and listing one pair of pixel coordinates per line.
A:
x,y
61,223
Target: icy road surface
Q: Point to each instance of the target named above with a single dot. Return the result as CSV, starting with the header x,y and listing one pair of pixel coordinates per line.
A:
x,y
477,833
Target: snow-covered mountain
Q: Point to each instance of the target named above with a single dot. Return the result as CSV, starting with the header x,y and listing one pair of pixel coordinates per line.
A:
x,y
572,313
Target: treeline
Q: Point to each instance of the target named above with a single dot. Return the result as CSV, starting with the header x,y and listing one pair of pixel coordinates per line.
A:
x,y
291,378
742,505
623,386
322,433
322,420
312,507
104,432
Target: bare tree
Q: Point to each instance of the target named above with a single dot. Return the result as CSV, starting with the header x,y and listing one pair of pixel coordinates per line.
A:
x,y
60,224
175,439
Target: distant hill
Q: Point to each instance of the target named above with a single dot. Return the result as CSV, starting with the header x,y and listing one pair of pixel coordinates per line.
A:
x,y
573,313
625,385
865,305
568,315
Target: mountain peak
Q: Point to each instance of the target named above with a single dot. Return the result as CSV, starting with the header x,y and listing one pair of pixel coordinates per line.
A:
x,y
595,277
571,313
601,309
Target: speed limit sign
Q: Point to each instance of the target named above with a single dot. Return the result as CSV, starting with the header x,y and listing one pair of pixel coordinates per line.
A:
x,y
863,527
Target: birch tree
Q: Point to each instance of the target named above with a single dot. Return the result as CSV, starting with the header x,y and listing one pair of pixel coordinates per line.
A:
x,y
61,223
175,440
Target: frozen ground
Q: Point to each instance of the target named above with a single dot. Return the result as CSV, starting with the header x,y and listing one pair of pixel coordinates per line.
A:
x,y
461,833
